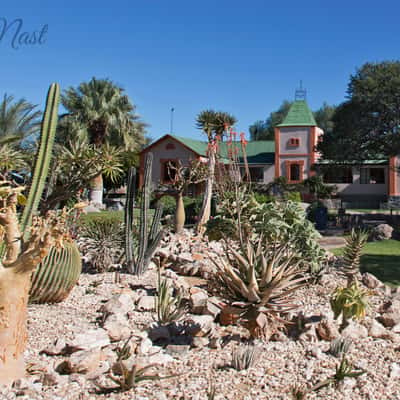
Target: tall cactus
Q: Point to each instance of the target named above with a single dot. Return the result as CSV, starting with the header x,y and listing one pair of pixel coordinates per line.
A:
x,y
138,259
48,131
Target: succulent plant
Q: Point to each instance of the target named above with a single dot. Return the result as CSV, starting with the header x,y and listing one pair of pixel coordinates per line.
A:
x,y
339,346
351,302
245,357
140,250
169,308
352,253
260,280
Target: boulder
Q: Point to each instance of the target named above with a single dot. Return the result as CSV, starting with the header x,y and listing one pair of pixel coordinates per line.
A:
x,y
198,301
55,349
81,362
200,325
378,331
381,232
120,303
370,281
390,314
355,331
117,327
91,339
327,330
146,303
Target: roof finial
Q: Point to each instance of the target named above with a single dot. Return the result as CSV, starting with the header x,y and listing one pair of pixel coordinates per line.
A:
x,y
300,93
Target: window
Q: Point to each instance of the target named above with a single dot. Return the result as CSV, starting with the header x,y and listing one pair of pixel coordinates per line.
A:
x,y
256,173
338,175
294,142
168,170
372,175
294,171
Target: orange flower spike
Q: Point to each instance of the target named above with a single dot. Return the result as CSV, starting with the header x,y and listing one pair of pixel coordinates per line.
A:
x,y
243,139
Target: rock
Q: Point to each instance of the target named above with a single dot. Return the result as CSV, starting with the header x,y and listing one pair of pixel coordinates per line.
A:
x,y
310,335
117,327
396,328
279,336
184,258
327,330
92,339
355,331
177,349
390,314
146,303
159,359
394,371
212,307
159,333
200,325
198,301
101,369
215,342
118,304
50,379
55,349
146,345
200,342
81,362
381,232
370,281
378,331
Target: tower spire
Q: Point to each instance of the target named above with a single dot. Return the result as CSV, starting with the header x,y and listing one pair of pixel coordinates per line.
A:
x,y
300,93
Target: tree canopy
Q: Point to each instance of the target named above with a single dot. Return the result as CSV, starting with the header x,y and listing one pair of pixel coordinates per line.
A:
x,y
264,130
366,126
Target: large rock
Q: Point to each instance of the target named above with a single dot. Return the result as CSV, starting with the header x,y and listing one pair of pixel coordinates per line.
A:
x,y
198,301
378,331
120,303
327,330
390,314
370,281
117,327
91,339
81,362
355,331
200,325
146,303
381,232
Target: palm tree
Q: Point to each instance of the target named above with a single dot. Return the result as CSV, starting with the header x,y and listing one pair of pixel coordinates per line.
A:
x,y
213,124
101,111
18,119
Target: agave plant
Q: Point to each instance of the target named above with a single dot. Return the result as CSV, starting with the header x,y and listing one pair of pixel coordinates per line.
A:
x,y
351,302
169,308
259,280
340,346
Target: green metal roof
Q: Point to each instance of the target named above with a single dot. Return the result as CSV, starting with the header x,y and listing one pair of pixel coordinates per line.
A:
x,y
257,152
299,115
363,162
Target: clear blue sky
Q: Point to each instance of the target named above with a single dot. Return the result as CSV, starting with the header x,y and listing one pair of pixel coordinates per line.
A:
x,y
244,57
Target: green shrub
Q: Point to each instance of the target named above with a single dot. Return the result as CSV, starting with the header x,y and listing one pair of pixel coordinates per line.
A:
x,y
293,196
262,198
219,228
169,204
110,216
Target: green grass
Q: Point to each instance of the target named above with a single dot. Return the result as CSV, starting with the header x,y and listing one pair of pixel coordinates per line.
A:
x,y
381,259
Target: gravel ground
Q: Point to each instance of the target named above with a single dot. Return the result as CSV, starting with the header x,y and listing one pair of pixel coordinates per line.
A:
x,y
280,366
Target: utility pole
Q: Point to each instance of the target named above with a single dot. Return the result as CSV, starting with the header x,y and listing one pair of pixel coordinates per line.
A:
x,y
171,130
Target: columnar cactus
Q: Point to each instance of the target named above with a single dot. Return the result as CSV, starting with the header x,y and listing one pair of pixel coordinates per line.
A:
x,y
138,257
48,131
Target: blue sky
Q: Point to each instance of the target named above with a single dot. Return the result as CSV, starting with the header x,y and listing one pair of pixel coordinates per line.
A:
x,y
236,56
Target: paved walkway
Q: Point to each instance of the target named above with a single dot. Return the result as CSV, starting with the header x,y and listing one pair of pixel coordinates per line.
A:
x,y
332,242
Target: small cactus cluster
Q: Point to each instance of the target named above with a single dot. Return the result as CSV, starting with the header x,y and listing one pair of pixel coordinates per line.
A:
x,y
139,251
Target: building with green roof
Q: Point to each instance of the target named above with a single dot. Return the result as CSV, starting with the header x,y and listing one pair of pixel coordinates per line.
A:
x,y
292,155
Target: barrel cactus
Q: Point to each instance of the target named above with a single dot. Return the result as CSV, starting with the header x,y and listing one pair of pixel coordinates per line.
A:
x,y
56,275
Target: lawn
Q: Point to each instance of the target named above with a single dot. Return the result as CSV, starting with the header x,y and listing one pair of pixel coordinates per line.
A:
x,y
381,259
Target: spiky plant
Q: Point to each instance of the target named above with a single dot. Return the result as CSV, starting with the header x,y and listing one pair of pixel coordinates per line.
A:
x,y
259,280
245,357
345,370
352,253
339,347
169,308
351,302
103,243
129,379
299,392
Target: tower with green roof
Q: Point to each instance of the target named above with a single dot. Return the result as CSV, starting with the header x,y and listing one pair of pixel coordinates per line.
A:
x,y
295,141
